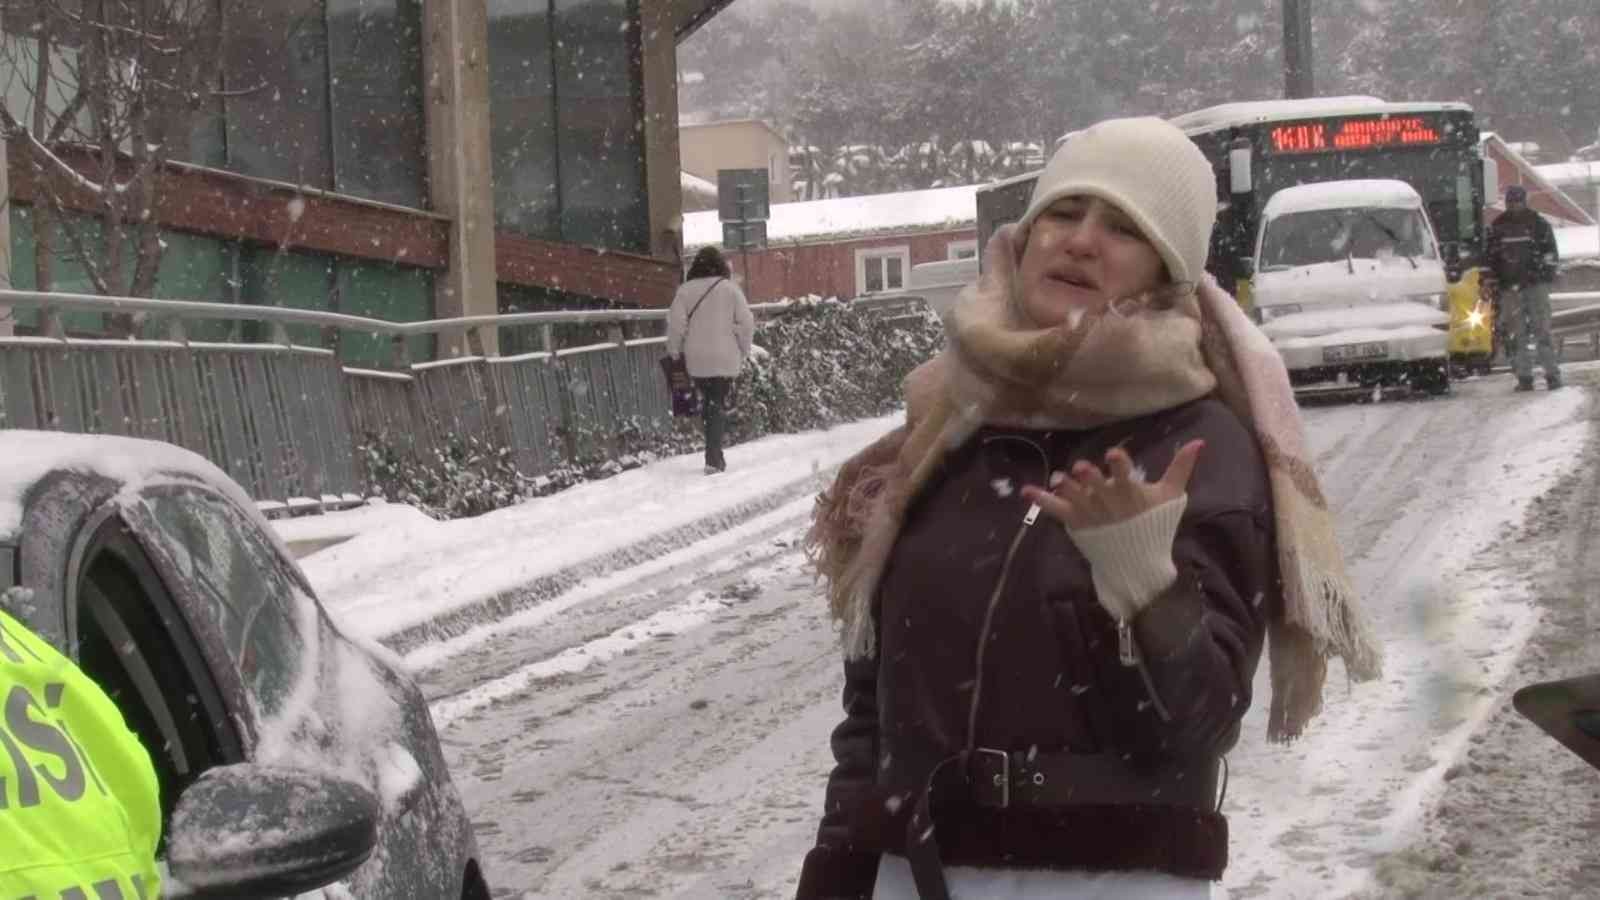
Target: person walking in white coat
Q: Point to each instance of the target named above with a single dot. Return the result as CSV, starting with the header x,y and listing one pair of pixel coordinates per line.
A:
x,y
711,326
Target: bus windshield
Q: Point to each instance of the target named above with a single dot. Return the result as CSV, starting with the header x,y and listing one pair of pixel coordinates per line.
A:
x,y
1310,237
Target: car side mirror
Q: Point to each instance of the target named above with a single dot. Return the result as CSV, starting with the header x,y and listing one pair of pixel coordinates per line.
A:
x,y
250,830
1567,710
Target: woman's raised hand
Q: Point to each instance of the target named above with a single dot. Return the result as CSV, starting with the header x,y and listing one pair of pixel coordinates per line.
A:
x,y
1087,497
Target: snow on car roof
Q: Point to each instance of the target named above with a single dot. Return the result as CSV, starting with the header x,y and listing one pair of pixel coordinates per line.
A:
x,y
1381,192
955,207
132,462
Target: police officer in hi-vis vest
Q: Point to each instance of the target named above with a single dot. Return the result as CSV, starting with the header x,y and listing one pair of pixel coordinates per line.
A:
x,y
80,815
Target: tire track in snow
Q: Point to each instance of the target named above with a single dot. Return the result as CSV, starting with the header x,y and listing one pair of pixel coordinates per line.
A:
x,y
1422,494
1519,811
600,606
664,767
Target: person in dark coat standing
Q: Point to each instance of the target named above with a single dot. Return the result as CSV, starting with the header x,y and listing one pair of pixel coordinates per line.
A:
x,y
711,326
1522,259
1055,580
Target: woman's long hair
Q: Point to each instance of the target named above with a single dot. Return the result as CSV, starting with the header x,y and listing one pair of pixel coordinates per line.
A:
x,y
709,263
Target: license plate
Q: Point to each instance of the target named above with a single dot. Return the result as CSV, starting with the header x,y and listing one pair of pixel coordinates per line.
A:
x,y
1348,352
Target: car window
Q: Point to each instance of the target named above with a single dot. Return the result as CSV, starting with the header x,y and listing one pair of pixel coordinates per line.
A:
x,y
130,639
249,591
1331,235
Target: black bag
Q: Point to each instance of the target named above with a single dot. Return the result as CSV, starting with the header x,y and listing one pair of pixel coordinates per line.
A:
x,y
685,399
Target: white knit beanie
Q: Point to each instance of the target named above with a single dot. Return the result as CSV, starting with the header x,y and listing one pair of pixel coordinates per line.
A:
x,y
1150,170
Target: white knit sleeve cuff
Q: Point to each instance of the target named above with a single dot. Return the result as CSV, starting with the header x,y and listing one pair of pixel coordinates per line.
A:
x,y
1132,560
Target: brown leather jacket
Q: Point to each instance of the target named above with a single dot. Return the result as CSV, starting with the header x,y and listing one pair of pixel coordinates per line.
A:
x,y
1131,743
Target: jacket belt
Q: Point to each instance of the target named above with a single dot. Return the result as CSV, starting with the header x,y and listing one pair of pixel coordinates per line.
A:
x,y
1001,779
1018,778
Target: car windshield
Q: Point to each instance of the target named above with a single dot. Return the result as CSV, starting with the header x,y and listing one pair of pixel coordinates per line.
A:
x,y
239,575
1310,237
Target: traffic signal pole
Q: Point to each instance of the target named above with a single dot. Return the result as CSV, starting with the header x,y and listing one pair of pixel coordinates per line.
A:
x,y
744,238
1297,62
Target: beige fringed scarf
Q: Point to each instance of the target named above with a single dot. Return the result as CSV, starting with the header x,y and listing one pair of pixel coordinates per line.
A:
x,y
1105,367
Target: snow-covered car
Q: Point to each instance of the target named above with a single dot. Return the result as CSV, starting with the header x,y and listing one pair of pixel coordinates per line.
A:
x,y
289,756
1350,287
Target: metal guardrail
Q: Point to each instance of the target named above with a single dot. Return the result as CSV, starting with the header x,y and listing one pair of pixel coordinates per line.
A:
x,y
1582,319
285,421
171,314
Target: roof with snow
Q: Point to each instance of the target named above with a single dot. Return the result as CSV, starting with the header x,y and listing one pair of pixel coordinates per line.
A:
x,y
1382,192
698,191
1229,115
1570,174
813,220
1543,196
718,123
1577,242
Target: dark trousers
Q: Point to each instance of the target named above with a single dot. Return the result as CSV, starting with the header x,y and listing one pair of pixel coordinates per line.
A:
x,y
1528,308
714,413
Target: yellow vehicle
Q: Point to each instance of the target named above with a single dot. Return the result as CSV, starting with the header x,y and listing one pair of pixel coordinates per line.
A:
x,y
1261,148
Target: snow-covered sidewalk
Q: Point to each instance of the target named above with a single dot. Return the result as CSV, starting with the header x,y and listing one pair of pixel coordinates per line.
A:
x,y
401,570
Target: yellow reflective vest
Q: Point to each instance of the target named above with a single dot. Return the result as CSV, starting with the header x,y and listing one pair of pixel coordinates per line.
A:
x,y
80,812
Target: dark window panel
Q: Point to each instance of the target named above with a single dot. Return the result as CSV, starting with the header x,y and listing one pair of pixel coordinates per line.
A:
x,y
199,268
522,114
389,292
198,135
518,339
67,274
276,75
601,136
193,128
375,56
294,279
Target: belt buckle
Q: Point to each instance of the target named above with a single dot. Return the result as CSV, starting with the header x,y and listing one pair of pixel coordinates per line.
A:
x,y
1005,773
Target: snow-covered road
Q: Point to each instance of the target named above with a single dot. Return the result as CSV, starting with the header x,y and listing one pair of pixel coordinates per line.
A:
x,y
662,732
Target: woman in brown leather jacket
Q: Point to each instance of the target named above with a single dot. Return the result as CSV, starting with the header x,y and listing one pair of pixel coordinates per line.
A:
x,y
1055,580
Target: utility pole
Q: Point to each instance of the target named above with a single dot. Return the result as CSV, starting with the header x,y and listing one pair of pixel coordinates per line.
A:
x,y
1297,64
8,321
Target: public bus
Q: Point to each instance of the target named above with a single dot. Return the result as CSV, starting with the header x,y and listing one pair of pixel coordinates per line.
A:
x,y
1260,148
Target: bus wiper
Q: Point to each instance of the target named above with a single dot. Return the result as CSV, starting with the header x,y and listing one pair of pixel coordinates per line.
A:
x,y
1392,236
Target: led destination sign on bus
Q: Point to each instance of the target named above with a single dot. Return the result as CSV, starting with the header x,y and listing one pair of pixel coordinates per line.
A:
x,y
1355,134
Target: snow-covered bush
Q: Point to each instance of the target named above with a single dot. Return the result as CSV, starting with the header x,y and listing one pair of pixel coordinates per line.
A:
x,y
827,362
465,477
822,362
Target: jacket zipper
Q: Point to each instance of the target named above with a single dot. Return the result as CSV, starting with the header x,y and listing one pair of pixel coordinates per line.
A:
x,y
1128,652
1028,519
1127,648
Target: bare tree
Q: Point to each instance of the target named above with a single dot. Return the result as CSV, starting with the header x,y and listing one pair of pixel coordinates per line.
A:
x,y
99,95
